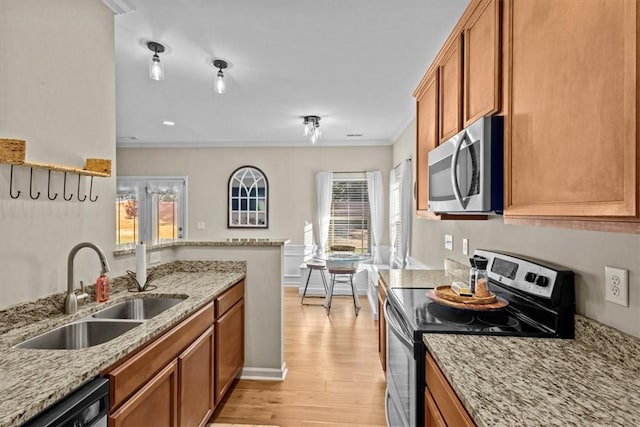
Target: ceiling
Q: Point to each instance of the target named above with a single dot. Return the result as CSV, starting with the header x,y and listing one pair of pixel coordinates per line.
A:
x,y
355,63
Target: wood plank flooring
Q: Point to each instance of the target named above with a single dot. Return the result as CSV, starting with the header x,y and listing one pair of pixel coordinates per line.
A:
x,y
334,379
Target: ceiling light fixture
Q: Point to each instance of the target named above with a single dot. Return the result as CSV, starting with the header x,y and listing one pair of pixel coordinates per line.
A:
x,y
168,123
155,68
312,128
221,87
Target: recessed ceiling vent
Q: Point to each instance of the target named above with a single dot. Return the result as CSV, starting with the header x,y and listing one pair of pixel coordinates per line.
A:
x,y
354,135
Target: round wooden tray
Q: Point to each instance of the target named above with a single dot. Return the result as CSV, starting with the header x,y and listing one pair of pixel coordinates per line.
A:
x,y
468,303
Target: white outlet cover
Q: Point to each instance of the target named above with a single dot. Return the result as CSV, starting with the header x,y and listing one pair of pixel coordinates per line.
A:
x,y
200,225
465,246
616,285
448,242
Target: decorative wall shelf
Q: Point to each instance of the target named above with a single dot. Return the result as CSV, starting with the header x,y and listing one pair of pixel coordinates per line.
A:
x,y
13,152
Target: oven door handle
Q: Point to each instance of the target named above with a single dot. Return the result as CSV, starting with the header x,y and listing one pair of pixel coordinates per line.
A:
x,y
454,170
395,328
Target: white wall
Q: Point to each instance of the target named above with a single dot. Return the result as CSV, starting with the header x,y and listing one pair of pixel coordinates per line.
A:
x,y
585,252
290,171
57,92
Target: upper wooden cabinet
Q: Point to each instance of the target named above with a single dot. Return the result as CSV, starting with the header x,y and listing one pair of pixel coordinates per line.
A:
x,y
481,62
450,85
427,139
571,139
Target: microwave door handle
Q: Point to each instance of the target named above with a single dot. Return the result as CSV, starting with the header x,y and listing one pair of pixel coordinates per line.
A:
x,y
454,175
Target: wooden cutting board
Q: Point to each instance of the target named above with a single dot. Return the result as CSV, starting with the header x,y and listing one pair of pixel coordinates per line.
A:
x,y
498,305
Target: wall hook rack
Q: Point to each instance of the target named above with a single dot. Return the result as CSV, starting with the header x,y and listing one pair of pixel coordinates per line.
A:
x,y
85,196
55,196
37,196
64,189
11,186
92,199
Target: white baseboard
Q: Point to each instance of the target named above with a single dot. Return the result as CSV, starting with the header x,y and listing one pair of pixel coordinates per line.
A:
x,y
264,374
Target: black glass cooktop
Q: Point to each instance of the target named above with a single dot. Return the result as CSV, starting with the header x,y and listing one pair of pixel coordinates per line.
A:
x,y
425,315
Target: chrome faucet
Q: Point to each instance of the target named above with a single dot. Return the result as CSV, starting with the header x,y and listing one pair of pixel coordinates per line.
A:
x,y
71,301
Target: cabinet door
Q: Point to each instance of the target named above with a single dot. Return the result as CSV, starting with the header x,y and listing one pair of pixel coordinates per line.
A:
x,y
382,328
432,416
450,76
195,367
482,61
427,138
155,404
229,348
571,141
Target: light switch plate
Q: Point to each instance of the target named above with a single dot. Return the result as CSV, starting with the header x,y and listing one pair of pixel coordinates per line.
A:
x,y
448,242
200,225
616,285
465,246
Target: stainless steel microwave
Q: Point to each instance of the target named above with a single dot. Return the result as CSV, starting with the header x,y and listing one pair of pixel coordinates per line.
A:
x,y
466,171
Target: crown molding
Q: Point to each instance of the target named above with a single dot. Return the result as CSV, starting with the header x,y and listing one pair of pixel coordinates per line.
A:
x,y
119,7
207,144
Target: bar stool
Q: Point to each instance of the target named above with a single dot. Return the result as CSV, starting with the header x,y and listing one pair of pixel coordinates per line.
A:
x,y
318,266
342,274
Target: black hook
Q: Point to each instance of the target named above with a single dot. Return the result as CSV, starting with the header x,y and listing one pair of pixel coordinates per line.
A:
x,y
85,196
11,186
91,191
55,196
31,188
64,190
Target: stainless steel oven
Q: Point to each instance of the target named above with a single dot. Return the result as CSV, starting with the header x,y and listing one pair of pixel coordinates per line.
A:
x,y
465,172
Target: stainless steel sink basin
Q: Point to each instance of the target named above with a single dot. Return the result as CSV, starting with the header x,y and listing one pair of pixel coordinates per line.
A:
x,y
138,309
78,335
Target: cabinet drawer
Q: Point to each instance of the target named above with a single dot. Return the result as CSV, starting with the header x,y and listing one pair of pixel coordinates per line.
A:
x,y
227,300
136,371
445,398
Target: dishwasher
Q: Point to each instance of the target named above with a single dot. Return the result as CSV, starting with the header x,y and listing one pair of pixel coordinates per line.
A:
x,y
83,407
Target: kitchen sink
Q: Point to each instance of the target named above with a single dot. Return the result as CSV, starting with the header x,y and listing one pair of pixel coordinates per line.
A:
x,y
78,335
138,309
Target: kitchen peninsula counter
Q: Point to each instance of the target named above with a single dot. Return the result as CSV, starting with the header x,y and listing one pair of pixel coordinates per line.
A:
x,y
31,380
593,380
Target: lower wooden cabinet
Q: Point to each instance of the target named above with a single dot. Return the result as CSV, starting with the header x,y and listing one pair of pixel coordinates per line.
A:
x,y
155,404
442,405
196,375
382,327
230,342
178,379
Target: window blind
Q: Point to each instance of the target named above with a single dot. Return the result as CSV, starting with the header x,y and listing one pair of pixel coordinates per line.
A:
x,y
396,217
349,224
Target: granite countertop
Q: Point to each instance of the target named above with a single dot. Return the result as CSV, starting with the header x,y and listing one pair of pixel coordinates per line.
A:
x,y
31,380
425,278
593,380
221,242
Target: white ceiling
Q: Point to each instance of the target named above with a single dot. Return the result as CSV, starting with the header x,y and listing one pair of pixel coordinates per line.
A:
x,y
355,63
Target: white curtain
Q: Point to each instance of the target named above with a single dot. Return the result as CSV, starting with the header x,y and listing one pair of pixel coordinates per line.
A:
x,y
405,211
376,207
392,223
324,184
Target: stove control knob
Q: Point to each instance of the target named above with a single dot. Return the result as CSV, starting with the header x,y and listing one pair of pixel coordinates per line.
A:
x,y
542,281
530,277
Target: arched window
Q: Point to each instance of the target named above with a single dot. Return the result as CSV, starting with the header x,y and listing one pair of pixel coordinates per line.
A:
x,y
248,198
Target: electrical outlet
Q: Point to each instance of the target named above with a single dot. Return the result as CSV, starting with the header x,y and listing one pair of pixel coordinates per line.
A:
x,y
616,285
200,225
448,242
465,246
154,257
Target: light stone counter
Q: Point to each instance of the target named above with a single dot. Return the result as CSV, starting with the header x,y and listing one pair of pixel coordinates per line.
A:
x,y
593,380
31,380
212,243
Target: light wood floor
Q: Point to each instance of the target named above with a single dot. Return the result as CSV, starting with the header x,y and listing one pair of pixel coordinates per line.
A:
x,y
335,378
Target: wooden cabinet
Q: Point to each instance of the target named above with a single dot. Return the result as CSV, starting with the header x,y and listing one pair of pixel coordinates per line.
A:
x,y
481,62
427,138
196,379
229,339
572,127
442,405
382,327
179,378
155,404
450,89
